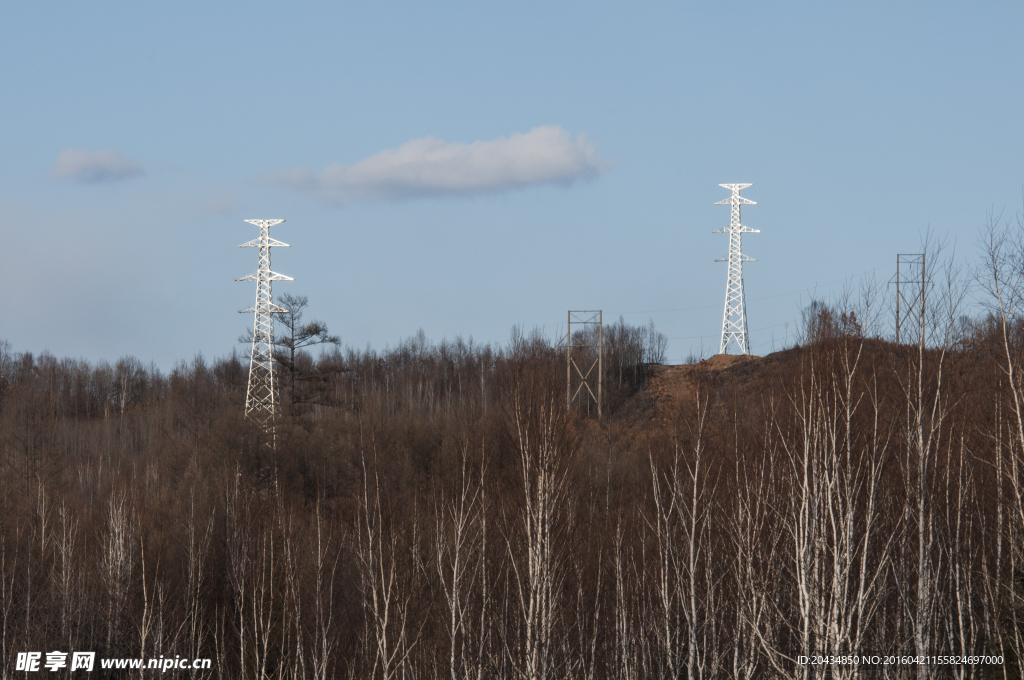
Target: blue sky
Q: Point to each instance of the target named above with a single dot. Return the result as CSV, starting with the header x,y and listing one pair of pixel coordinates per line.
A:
x,y
579,148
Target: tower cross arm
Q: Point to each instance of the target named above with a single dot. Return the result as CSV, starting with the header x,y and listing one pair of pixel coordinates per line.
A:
x,y
271,276
272,309
738,199
270,243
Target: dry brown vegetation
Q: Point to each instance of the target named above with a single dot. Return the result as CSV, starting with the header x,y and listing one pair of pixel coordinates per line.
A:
x,y
436,511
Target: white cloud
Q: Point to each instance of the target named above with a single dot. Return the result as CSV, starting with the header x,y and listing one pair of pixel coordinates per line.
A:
x,y
87,166
434,167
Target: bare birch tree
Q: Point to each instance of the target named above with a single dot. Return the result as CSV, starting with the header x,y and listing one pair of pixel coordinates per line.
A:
x,y
545,442
458,564
116,564
689,629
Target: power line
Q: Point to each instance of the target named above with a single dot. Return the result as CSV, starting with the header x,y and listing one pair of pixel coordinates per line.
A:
x,y
806,289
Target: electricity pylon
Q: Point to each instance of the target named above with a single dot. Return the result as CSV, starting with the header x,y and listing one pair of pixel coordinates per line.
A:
x,y
734,319
262,398
911,285
580,348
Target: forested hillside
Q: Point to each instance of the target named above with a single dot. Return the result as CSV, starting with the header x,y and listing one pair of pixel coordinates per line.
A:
x,y
436,510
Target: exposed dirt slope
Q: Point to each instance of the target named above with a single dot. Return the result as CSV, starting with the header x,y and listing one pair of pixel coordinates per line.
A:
x,y
672,384
725,377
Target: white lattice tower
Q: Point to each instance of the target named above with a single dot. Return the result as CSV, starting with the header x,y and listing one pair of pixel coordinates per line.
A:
x,y
734,319
262,399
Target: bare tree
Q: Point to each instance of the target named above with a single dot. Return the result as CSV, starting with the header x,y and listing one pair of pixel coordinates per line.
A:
x,y
836,464
116,564
545,441
385,591
197,539
66,581
1001,276
689,629
457,561
758,564
325,566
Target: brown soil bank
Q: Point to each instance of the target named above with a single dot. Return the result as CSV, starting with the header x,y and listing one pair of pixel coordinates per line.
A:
x,y
672,384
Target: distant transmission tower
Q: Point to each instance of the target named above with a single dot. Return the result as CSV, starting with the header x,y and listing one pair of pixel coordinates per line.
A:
x,y
584,351
734,319
262,399
911,284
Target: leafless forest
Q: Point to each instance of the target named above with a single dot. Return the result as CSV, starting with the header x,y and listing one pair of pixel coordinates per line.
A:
x,y
436,510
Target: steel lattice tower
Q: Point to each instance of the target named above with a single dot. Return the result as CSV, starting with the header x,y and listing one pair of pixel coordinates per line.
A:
x,y
734,319
262,399
911,287
580,348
